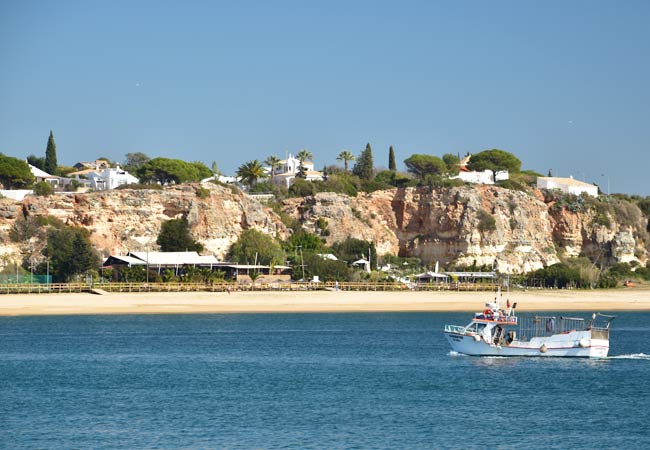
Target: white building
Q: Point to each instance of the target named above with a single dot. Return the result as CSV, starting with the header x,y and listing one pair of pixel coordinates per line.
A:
x,y
484,177
40,175
287,169
568,185
105,179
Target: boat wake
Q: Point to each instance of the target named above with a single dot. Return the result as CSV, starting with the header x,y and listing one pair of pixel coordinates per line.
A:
x,y
453,353
631,356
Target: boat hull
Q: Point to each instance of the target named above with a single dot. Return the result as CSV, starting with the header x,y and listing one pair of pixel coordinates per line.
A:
x,y
578,344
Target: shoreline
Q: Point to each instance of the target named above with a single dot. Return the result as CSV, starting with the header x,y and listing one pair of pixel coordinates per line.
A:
x,y
318,302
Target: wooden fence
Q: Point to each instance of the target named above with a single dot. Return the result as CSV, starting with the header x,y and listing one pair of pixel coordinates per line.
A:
x,y
66,288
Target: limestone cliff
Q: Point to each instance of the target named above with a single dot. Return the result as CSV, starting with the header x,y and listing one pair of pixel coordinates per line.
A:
x,y
485,225
130,220
453,226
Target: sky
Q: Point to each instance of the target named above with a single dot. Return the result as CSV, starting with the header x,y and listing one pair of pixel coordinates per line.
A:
x,y
563,85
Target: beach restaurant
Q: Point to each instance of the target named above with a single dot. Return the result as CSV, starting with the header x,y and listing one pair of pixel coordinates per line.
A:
x,y
180,261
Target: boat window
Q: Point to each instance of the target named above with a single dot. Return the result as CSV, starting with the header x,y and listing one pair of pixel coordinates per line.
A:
x,y
476,327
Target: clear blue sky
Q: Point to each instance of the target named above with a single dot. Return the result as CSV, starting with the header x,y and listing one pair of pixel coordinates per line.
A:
x,y
561,84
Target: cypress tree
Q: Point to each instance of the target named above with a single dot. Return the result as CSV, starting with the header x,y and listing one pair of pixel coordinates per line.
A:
x,y
50,155
391,159
364,168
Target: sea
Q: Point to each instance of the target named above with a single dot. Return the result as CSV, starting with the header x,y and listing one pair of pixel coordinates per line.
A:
x,y
308,381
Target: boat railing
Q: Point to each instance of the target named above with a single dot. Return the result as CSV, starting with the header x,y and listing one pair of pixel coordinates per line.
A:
x,y
454,329
540,326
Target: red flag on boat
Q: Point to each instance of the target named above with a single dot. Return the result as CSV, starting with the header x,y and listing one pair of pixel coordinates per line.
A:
x,y
508,303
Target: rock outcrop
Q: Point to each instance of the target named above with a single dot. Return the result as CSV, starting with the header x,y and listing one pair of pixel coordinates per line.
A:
x,y
483,225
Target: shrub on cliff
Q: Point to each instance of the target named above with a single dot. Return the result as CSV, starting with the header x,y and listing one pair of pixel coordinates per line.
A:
x,y
69,252
175,237
255,246
485,221
43,189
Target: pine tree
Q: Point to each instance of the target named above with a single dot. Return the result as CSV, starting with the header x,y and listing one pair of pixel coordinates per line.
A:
x,y
364,168
50,155
391,159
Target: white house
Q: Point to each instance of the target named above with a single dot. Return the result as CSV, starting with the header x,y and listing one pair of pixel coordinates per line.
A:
x,y
106,179
287,169
472,176
568,185
40,175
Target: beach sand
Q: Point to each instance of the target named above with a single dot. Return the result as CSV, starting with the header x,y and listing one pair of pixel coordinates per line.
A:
x,y
319,301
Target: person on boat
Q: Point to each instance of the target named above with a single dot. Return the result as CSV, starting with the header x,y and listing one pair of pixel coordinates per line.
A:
x,y
550,325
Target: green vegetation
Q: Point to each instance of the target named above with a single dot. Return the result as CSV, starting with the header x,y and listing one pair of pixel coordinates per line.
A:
x,y
43,189
423,165
38,162
14,173
50,155
346,156
273,162
486,222
249,173
254,246
352,249
392,166
69,252
175,237
171,171
494,160
134,161
364,168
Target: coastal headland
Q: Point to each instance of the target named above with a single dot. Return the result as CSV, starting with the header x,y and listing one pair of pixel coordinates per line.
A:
x,y
319,301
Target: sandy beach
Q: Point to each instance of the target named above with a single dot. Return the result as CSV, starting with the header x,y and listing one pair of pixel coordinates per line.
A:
x,y
317,301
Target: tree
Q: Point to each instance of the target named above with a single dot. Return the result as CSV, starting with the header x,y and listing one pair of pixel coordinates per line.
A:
x,y
345,156
452,162
326,269
14,173
69,252
253,246
364,168
391,159
250,172
202,170
352,249
135,160
50,155
302,171
43,189
273,162
423,165
304,155
171,171
494,160
304,240
175,236
36,161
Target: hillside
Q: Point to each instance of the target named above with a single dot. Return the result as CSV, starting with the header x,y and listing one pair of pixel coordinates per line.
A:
x,y
480,225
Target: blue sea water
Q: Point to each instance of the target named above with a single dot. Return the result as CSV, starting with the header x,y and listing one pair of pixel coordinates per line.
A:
x,y
381,380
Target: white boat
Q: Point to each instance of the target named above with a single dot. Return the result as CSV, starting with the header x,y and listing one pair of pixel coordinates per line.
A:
x,y
497,332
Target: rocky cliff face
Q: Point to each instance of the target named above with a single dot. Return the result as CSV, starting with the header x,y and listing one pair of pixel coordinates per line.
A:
x,y
130,220
485,225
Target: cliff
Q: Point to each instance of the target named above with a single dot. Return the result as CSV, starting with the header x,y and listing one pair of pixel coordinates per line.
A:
x,y
483,225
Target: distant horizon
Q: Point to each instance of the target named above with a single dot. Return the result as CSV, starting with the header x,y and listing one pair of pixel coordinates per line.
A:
x,y
563,86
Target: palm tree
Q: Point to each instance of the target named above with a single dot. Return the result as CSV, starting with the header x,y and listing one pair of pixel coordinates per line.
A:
x,y
304,155
272,161
250,172
345,156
